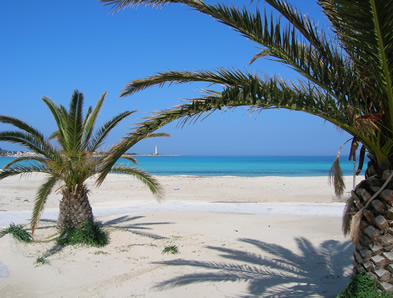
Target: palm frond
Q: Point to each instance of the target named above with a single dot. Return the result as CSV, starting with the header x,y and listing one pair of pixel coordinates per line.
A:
x,y
129,158
74,123
39,159
29,141
249,91
23,170
87,116
348,214
367,37
336,174
313,58
116,152
90,120
144,177
180,77
355,231
352,70
54,135
158,135
305,26
23,126
122,4
103,132
40,201
59,114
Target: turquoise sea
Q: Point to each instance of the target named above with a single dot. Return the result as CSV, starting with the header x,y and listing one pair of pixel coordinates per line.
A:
x,y
246,166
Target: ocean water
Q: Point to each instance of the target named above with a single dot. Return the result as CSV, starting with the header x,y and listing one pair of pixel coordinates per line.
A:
x,y
245,166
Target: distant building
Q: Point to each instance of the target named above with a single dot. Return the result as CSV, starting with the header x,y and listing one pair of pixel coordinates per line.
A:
x,y
155,150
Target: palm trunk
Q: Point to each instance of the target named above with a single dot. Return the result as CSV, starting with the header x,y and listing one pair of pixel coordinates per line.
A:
x,y
75,210
372,227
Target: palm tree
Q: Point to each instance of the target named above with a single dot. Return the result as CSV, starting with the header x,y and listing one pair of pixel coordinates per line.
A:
x,y
72,161
346,79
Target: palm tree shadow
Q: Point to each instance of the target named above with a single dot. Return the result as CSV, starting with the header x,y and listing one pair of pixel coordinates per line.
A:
x,y
53,250
50,224
123,222
126,223
277,271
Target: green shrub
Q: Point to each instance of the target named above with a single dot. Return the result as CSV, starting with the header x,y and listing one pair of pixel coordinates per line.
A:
x,y
171,250
90,234
18,232
363,286
41,261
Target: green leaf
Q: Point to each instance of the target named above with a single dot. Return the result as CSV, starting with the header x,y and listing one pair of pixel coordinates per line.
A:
x,y
40,200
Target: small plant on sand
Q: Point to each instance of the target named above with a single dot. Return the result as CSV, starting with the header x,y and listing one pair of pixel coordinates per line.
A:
x,y
361,285
18,232
171,250
90,234
41,261
100,252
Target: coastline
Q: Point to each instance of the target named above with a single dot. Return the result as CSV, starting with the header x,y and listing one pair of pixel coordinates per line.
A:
x,y
243,166
17,193
26,154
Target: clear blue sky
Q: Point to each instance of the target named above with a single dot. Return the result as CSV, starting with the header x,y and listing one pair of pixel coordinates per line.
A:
x,y
54,47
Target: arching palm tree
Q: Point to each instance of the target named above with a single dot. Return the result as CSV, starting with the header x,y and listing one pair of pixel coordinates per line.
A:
x,y
346,79
72,161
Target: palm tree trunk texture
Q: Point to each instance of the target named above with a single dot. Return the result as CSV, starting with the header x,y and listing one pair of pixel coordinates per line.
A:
x,y
373,247
75,210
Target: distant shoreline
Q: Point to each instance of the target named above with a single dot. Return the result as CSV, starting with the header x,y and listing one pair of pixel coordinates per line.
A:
x,y
26,154
242,166
153,155
18,154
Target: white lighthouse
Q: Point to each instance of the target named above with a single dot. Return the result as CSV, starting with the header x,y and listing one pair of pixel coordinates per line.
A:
x,y
155,150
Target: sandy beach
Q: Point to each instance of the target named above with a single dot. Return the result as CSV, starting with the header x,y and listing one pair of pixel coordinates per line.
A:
x,y
236,237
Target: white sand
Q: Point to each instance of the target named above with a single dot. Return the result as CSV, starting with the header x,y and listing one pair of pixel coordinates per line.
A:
x,y
237,237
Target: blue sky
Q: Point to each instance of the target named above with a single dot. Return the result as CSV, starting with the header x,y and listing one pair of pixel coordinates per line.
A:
x,y
50,48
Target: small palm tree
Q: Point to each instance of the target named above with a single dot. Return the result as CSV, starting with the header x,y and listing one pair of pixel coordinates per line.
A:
x,y
347,79
72,161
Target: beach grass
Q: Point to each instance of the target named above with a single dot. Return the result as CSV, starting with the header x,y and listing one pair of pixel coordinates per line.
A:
x,y
173,249
91,234
361,285
18,232
41,261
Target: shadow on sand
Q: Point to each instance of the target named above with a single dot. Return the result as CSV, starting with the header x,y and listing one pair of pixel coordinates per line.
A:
x,y
126,223
50,223
123,222
277,271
